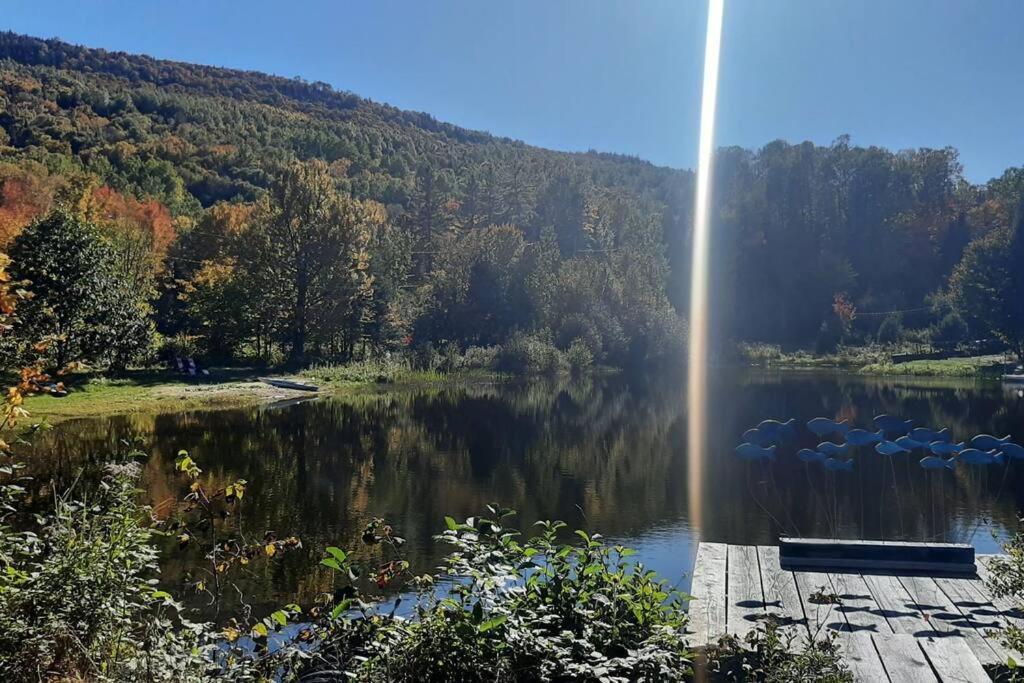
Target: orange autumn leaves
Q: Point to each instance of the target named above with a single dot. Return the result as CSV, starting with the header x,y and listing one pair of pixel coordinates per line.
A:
x,y
122,214
142,229
27,192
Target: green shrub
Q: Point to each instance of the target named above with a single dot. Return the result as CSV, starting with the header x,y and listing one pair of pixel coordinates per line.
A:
x,y
76,599
770,655
526,354
380,370
1006,580
891,329
759,353
517,610
951,328
480,358
579,356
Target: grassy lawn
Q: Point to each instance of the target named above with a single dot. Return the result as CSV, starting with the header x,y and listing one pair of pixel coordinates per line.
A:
x,y
156,391
151,391
978,366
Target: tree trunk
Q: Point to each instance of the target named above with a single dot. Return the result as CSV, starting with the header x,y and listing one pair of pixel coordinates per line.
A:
x,y
299,332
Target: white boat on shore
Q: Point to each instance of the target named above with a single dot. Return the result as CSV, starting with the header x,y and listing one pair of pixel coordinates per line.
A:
x,y
288,384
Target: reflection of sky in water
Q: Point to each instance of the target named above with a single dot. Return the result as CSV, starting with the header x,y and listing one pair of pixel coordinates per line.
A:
x,y
607,454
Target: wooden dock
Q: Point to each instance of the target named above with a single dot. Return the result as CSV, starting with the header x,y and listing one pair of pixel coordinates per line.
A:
x,y
889,628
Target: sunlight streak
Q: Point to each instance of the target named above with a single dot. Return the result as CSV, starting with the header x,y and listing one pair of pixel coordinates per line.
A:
x,y
697,382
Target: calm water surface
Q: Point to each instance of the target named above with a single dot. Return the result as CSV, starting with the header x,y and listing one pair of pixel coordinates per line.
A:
x,y
607,455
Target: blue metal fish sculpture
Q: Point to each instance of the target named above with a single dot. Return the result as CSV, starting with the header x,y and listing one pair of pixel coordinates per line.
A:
x,y
832,449
749,451
1013,450
823,425
911,444
758,437
987,442
946,448
807,455
836,465
862,437
777,429
892,424
925,435
890,448
974,456
933,462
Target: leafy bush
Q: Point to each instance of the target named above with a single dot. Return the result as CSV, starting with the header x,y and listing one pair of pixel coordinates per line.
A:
x,y
891,329
1006,580
481,358
770,655
952,328
526,354
76,599
579,356
383,370
81,309
759,353
514,611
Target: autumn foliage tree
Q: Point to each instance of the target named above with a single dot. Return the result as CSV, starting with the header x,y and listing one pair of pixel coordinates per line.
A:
x,y
987,285
140,232
80,309
308,259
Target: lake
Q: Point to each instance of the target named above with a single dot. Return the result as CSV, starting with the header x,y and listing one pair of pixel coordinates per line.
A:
x,y
606,454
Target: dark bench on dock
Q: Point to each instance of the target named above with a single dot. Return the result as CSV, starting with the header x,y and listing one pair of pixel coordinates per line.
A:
x,y
911,625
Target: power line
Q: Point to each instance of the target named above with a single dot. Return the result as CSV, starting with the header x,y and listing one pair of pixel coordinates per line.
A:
x,y
905,310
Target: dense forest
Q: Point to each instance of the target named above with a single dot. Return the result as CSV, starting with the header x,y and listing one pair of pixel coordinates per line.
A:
x,y
238,216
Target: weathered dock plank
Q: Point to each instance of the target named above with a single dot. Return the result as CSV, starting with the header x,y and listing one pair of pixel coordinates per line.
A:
x,y
944,619
895,604
972,601
858,606
820,615
746,603
953,661
707,609
903,659
780,593
1006,607
907,627
860,655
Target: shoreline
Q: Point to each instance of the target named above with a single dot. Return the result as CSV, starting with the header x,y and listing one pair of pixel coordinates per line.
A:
x,y
989,367
149,392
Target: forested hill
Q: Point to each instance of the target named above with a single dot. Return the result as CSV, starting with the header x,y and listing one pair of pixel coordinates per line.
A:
x,y
146,101
480,237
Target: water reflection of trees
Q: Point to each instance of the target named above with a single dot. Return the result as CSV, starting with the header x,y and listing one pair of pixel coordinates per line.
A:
x,y
602,453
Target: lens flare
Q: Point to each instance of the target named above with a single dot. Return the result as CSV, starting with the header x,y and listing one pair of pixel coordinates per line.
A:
x,y
697,372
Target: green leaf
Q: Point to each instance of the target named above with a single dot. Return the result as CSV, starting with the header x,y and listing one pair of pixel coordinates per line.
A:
x,y
493,622
340,609
451,523
161,595
339,554
280,617
332,563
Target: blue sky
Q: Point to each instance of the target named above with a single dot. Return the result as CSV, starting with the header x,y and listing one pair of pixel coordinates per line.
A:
x,y
616,76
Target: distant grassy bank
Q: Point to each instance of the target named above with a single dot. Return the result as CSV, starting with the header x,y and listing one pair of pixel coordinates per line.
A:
x,y
155,391
979,366
871,360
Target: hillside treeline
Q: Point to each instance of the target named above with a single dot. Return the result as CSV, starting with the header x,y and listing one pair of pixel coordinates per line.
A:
x,y
254,217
